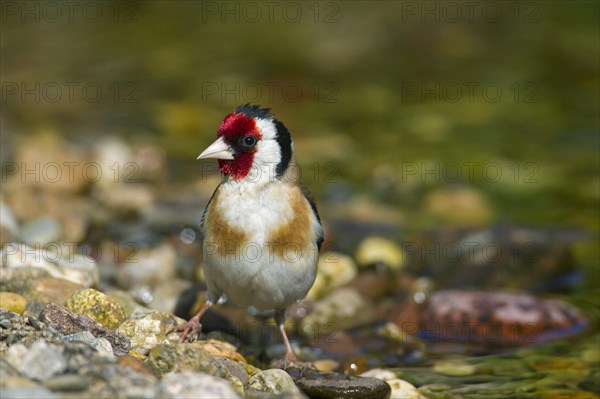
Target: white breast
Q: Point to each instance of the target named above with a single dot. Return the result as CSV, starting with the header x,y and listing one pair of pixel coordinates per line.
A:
x,y
252,275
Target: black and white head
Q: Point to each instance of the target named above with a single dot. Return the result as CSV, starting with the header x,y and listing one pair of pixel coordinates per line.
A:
x,y
251,145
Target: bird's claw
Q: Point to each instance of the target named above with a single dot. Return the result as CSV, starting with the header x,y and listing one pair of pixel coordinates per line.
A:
x,y
290,361
190,331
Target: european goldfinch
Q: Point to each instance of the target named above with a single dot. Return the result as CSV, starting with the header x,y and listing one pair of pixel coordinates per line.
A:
x,y
262,232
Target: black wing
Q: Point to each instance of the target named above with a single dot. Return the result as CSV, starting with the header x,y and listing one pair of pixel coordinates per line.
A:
x,y
313,206
205,209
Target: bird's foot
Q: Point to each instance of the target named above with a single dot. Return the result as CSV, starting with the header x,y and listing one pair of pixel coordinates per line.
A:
x,y
290,361
190,331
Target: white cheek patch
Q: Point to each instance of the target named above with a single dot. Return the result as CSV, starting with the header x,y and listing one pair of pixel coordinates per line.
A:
x,y
267,128
268,153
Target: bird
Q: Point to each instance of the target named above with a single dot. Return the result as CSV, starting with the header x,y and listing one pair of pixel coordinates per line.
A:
x,y
261,227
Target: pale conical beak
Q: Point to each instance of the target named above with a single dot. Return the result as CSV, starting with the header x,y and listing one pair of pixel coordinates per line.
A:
x,y
217,150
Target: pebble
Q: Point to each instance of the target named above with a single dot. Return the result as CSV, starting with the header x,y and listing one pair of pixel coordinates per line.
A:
x,y
68,383
372,284
131,308
102,345
40,232
151,268
79,269
110,153
188,384
498,318
342,309
115,381
75,268
39,362
459,205
166,296
35,392
454,368
98,306
9,227
400,389
12,302
271,382
70,324
165,358
126,197
326,364
319,384
354,365
17,255
26,330
333,270
54,290
216,347
148,330
379,250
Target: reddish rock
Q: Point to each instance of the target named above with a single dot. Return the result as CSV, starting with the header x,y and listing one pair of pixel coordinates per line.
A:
x,y
497,318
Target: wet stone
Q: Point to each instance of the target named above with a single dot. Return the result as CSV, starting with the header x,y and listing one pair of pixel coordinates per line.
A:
x,y
68,383
327,385
498,318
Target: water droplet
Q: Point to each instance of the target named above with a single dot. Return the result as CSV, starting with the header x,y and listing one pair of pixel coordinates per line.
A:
x,y
187,235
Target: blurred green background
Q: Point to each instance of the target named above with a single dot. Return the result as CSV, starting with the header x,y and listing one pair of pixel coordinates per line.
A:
x,y
376,94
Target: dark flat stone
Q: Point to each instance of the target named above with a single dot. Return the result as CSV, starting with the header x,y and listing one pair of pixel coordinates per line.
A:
x,y
68,322
328,385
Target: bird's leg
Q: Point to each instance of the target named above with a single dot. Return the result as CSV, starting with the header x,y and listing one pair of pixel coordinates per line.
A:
x,y
191,329
290,359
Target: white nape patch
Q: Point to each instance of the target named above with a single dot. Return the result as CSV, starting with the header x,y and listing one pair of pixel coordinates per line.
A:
x,y
268,153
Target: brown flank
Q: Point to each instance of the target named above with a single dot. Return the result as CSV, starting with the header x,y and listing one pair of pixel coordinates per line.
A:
x,y
296,232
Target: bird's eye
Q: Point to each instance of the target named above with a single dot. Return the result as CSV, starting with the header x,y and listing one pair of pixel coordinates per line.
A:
x,y
249,141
